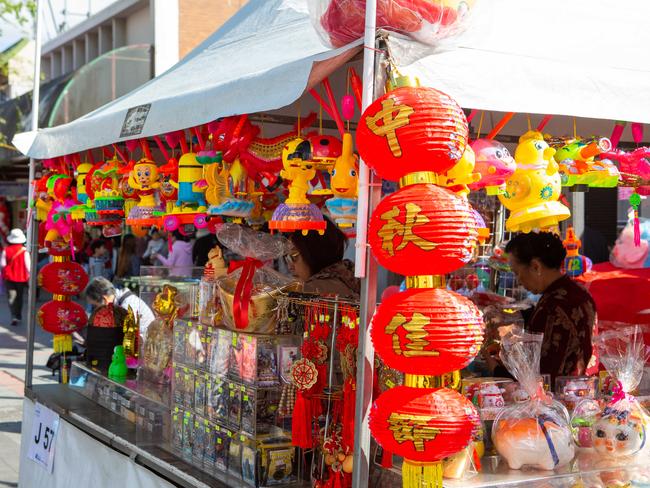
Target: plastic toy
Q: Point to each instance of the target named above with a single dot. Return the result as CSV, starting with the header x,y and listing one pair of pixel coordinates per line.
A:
x,y
578,169
495,165
145,179
575,264
343,184
168,192
82,172
325,150
634,168
131,340
297,213
118,369
461,174
533,189
535,432
190,177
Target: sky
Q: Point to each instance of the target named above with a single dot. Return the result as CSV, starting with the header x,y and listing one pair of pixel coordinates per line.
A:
x,y
51,18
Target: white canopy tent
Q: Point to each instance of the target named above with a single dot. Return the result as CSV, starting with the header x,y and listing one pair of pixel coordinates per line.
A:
x,y
261,59
581,58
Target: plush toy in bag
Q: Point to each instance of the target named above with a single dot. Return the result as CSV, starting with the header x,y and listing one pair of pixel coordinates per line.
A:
x,y
536,432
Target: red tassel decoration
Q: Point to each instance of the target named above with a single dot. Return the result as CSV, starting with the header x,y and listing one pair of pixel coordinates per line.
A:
x,y
301,422
337,480
348,413
169,242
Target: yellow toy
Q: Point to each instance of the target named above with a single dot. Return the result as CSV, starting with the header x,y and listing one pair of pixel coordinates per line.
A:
x,y
533,190
190,185
297,213
82,172
461,174
344,182
145,178
298,169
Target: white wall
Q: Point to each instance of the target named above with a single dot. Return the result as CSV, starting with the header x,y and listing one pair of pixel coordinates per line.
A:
x,y
21,71
138,28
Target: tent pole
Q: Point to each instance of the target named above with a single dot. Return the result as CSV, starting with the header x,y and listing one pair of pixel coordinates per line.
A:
x,y
32,229
366,268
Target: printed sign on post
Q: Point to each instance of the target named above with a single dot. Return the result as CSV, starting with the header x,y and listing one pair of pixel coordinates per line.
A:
x,y
41,442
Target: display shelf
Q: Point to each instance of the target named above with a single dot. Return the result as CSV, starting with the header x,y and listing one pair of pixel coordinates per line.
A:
x,y
119,434
587,470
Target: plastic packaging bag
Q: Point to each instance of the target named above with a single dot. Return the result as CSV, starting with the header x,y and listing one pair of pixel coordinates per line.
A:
x,y
340,22
621,428
249,291
534,432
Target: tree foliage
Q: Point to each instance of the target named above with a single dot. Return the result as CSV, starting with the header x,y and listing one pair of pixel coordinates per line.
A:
x,y
18,12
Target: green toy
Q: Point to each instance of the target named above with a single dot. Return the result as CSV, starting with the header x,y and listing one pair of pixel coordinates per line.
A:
x,y
118,369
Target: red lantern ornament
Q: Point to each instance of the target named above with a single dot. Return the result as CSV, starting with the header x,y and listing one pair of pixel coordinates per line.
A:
x,y
423,229
423,424
427,331
63,278
412,129
62,318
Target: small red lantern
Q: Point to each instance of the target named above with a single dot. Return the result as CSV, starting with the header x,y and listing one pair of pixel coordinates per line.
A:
x,y
423,229
412,129
61,317
427,331
63,278
423,424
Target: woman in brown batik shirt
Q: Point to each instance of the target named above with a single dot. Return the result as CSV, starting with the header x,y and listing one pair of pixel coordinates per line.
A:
x,y
565,313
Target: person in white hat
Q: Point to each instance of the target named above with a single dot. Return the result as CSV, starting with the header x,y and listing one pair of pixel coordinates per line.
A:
x,y
15,264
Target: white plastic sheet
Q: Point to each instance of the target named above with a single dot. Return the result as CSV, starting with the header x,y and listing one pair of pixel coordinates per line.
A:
x,y
260,60
580,58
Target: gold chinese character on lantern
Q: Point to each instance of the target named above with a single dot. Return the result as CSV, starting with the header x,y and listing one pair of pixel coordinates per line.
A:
x,y
394,228
415,334
390,122
412,428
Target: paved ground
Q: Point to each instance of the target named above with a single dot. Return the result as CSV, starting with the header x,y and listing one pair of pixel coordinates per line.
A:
x,y
13,342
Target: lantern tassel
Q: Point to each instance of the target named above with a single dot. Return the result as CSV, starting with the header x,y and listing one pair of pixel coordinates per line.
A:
x,y
62,343
387,459
637,229
301,422
348,413
421,475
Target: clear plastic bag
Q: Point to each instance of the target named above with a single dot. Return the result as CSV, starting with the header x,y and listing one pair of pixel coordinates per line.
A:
x,y
535,432
254,309
621,428
340,22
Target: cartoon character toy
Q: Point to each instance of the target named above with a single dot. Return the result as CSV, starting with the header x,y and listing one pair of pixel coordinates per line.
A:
x,y
495,165
343,184
578,169
145,179
619,432
461,174
297,213
575,264
533,190
190,179
82,172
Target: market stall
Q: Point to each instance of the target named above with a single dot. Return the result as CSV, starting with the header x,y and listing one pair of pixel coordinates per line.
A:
x,y
249,375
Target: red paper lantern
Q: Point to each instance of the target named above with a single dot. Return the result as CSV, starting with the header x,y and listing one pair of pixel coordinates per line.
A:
x,y
423,424
66,278
423,230
412,129
61,317
427,331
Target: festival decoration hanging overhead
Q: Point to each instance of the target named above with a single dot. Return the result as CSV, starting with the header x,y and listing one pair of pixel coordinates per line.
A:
x,y
533,190
423,229
495,165
427,331
575,264
412,129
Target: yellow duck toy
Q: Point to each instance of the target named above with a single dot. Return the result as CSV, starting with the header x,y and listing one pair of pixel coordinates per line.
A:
x,y
533,190
461,174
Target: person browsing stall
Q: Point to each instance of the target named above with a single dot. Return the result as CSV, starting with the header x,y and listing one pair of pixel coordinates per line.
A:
x,y
101,292
318,261
565,313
